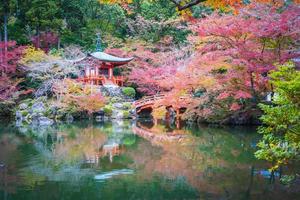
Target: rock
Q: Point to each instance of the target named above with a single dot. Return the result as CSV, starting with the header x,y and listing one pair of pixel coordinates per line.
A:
x,y
45,121
19,124
101,112
117,114
38,107
118,105
116,99
19,117
23,106
99,118
69,118
60,114
53,109
111,90
35,119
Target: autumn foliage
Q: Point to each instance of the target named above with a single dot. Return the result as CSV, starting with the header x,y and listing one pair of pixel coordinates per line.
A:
x,y
76,97
228,72
10,54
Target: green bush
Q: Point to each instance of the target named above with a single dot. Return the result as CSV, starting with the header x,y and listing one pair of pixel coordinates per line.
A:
x,y
129,91
126,114
107,110
129,140
280,144
115,99
127,105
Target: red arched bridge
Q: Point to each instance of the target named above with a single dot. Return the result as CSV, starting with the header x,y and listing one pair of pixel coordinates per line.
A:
x,y
148,102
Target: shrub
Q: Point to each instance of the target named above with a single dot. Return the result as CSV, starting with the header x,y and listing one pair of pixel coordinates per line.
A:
x,y
126,114
129,140
31,54
127,105
115,99
107,110
74,96
56,52
281,122
129,91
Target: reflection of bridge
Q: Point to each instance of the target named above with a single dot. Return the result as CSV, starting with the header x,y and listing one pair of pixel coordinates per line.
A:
x,y
155,137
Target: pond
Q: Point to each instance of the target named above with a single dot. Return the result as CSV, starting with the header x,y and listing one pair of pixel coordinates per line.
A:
x,y
134,160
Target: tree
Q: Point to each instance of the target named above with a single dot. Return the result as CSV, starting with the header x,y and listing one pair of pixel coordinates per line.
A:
x,y
182,5
43,15
8,65
281,120
234,54
242,48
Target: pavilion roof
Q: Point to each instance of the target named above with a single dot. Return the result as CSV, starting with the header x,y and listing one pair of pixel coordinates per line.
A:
x,y
110,58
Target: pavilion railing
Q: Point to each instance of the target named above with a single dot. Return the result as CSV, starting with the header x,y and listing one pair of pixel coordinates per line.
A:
x,y
101,80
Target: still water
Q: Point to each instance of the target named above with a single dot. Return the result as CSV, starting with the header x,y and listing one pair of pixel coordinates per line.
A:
x,y
134,160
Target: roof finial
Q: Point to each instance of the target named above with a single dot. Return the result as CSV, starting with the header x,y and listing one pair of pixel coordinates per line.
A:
x,y
98,43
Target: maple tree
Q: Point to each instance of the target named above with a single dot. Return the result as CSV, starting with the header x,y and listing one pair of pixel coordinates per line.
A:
x,y
10,54
234,54
45,40
248,45
152,64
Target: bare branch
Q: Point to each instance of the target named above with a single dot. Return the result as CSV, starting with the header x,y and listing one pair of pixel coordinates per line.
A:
x,y
182,6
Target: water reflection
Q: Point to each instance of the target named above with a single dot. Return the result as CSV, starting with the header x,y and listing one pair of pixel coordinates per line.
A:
x,y
134,161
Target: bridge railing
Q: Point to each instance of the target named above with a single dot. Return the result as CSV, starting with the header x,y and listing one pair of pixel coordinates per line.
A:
x,y
152,99
148,99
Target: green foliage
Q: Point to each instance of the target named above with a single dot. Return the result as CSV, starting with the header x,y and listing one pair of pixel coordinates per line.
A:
x,y
126,114
127,105
129,140
56,52
281,130
129,91
115,99
108,110
157,11
32,54
287,179
44,14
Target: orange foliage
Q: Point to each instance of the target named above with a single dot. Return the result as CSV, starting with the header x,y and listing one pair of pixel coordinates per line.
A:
x,y
78,97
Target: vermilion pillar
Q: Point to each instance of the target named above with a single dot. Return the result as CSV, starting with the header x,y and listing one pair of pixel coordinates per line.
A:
x,y
110,72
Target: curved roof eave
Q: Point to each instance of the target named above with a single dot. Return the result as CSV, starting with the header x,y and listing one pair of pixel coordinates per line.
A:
x,y
110,58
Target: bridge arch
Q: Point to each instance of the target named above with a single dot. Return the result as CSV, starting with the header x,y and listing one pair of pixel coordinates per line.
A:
x,y
147,104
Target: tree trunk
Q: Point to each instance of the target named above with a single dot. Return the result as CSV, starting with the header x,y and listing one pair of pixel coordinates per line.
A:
x,y
252,86
1,53
38,45
58,43
5,29
5,38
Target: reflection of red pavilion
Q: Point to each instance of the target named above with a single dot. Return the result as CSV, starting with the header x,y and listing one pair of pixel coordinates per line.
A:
x,y
101,71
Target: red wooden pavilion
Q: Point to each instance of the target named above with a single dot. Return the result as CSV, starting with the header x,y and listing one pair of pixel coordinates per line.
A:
x,y
101,73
